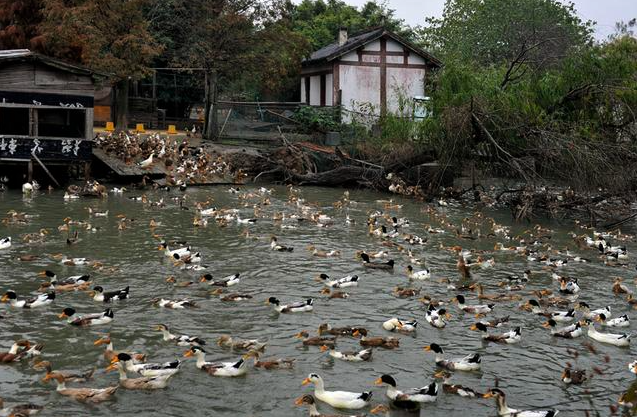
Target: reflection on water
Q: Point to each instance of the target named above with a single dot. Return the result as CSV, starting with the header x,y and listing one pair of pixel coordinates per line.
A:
x,y
528,372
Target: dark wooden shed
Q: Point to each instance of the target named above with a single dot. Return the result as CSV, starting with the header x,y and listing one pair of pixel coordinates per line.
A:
x,y
46,109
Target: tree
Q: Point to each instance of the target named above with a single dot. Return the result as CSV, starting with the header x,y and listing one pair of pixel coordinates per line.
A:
x,y
319,22
234,41
19,23
538,32
110,36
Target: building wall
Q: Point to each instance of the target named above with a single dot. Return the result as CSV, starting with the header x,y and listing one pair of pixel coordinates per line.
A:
x,y
31,76
358,75
315,90
359,86
402,85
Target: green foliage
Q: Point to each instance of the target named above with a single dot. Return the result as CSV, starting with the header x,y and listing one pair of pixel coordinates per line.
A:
x,y
318,118
492,31
319,21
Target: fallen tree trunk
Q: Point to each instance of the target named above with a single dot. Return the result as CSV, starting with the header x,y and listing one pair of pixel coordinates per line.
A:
x,y
343,175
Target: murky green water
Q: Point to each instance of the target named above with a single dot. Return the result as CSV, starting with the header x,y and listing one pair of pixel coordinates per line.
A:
x,y
528,372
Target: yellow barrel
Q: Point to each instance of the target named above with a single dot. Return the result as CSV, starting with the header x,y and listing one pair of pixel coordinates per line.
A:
x,y
172,129
110,127
140,128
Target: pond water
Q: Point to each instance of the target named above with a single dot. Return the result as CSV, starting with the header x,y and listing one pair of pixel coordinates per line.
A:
x,y
528,372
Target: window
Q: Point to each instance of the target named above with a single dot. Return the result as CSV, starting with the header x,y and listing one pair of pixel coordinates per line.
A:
x,y
63,123
14,121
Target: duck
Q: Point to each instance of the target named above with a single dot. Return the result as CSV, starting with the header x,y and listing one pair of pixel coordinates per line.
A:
x,y
173,304
20,410
426,394
18,351
568,332
384,342
494,297
592,314
558,316
271,364
274,245
147,163
68,376
235,344
230,297
315,341
569,286
143,383
110,352
223,369
228,281
347,281
455,388
403,326
295,307
75,282
91,395
326,328
149,370
418,275
100,296
5,242
619,288
621,321
573,376
94,319
389,265
471,362
181,284
322,253
510,337
402,292
436,316
621,339
334,294
476,309
349,356
338,399
505,411
182,340
310,403
632,367
170,253
41,300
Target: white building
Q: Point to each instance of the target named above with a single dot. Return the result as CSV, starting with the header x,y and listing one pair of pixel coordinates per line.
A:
x,y
367,71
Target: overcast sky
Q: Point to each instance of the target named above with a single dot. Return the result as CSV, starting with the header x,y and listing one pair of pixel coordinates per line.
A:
x,y
604,12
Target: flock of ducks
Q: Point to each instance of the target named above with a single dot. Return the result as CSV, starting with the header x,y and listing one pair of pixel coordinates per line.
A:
x,y
558,307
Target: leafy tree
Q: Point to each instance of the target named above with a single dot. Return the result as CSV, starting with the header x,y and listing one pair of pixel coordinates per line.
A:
x,y
111,36
319,21
238,41
538,32
19,22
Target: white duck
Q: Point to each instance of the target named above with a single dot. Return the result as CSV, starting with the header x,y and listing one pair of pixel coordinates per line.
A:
x,y
225,369
146,163
426,394
505,411
471,362
338,399
622,339
419,275
5,242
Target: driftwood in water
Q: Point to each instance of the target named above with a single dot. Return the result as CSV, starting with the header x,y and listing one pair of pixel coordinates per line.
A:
x,y
343,175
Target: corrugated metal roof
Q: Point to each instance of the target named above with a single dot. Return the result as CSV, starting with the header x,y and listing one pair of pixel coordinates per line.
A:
x,y
334,50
